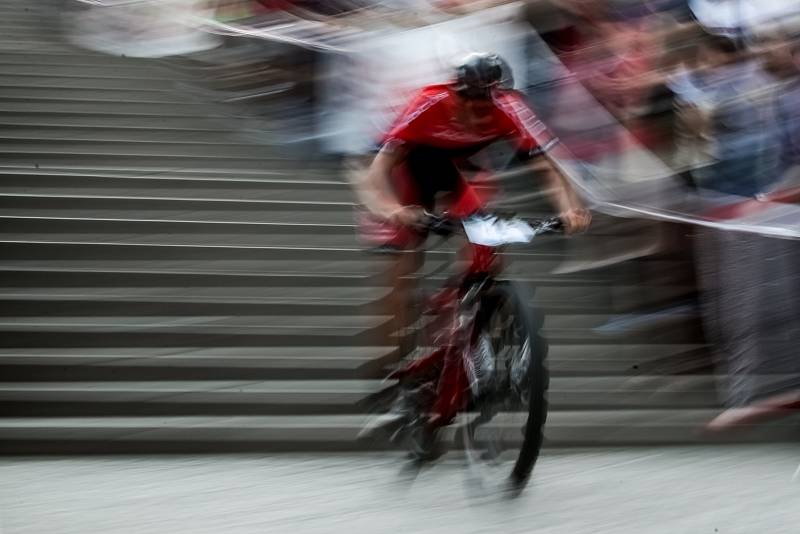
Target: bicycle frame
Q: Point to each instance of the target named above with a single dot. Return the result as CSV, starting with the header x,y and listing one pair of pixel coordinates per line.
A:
x,y
456,371
456,307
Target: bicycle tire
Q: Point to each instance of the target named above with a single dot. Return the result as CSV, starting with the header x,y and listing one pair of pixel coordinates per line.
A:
x,y
520,300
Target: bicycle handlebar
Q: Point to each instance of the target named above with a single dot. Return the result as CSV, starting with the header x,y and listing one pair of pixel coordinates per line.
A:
x,y
446,226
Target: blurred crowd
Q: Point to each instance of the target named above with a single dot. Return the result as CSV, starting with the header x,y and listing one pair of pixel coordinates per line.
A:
x,y
701,97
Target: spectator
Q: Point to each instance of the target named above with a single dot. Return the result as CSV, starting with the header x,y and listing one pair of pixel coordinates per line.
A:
x,y
725,104
749,282
788,112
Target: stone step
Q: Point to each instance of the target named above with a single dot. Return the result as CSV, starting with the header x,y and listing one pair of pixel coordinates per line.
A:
x,y
172,319
119,302
319,174
351,296
185,109
212,330
271,269
217,397
132,69
289,211
163,134
626,359
315,266
112,231
60,229
300,190
222,210
196,363
312,181
110,278
304,190
26,42
186,203
228,235
681,327
85,173
322,170
155,328
24,34
103,158
16,12
116,363
100,148
197,301
62,336
216,234
79,58
339,432
310,325
598,298
356,294
112,249
85,94
100,255
89,179
11,78
316,270
96,120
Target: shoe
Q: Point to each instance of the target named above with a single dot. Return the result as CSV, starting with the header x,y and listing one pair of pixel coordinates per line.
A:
x,y
392,422
424,445
763,410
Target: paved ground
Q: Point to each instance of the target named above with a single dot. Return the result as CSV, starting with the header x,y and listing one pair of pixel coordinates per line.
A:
x,y
678,490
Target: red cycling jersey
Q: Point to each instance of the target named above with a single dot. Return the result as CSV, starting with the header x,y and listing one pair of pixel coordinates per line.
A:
x,y
430,119
430,127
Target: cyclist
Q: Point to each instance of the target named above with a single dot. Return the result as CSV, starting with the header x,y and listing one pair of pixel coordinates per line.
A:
x,y
423,153
430,142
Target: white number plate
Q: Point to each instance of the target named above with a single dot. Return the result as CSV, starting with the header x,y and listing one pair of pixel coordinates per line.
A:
x,y
493,232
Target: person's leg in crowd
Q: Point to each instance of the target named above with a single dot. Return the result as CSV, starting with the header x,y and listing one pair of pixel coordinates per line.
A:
x,y
757,335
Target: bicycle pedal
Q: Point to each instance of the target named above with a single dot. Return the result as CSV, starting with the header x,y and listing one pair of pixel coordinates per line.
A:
x,y
428,455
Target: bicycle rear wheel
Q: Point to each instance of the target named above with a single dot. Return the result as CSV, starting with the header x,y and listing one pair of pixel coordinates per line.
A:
x,y
504,434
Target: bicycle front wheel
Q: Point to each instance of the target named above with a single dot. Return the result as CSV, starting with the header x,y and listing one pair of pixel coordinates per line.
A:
x,y
504,434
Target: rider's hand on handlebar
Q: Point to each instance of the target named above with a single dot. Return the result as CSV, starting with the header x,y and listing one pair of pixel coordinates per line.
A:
x,y
576,220
408,216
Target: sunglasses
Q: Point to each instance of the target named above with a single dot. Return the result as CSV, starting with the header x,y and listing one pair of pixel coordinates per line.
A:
x,y
476,94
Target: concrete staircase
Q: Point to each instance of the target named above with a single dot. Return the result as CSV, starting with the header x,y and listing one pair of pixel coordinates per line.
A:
x,y
168,286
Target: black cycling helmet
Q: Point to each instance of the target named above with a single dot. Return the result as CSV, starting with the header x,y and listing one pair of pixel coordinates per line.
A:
x,y
477,74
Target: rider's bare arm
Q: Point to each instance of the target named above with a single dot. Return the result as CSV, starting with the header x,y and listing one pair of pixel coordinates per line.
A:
x,y
535,142
375,188
565,200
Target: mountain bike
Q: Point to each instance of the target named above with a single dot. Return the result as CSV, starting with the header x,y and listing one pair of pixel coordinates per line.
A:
x,y
477,363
